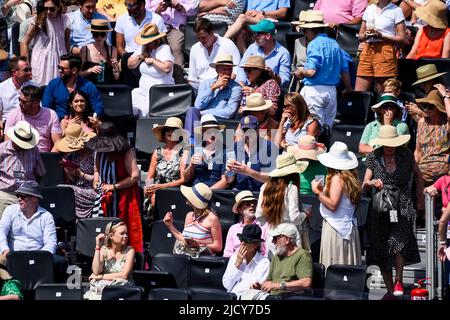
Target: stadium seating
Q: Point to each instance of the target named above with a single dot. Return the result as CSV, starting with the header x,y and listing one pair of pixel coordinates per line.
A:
x,y
354,108
170,100
348,38
116,100
175,264
206,272
122,293
54,172
145,140
31,268
407,73
168,294
350,134
154,279
190,38
162,240
301,5
210,294
345,282
57,292
60,202
222,203
170,199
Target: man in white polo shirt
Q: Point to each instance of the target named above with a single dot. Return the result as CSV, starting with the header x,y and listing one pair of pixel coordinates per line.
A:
x,y
204,52
10,89
127,26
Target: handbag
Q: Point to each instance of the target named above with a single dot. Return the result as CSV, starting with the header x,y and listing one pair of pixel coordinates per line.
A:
x,y
385,200
180,248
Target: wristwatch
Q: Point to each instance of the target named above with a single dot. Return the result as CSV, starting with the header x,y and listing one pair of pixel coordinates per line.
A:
x,y
447,96
283,285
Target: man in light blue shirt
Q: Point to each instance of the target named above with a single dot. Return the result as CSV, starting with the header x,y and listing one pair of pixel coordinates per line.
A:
x,y
277,57
80,34
220,96
27,227
324,66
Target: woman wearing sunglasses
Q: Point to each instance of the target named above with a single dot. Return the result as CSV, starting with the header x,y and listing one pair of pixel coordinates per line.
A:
x,y
51,35
100,65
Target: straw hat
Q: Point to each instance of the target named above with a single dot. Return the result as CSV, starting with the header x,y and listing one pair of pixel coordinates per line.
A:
x,y
241,197
256,102
224,59
4,274
287,164
388,136
172,122
210,122
307,148
433,98
338,157
149,33
100,25
74,138
433,13
386,98
310,19
427,72
199,195
255,62
24,135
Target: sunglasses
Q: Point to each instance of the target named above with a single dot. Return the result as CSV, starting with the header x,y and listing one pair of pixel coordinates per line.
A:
x,y
62,68
275,239
249,70
22,196
131,6
50,9
27,69
98,34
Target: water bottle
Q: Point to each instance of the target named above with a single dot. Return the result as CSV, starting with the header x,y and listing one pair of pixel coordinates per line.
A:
x,y
101,75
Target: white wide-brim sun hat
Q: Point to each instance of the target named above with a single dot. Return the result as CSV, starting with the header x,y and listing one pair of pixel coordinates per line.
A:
x,y
338,157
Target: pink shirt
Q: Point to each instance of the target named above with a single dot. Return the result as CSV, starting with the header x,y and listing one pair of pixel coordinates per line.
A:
x,y
442,184
45,122
340,11
171,16
233,243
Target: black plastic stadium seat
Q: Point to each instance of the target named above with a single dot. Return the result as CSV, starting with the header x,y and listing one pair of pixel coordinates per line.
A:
x,y
176,264
222,202
210,294
60,202
116,100
345,282
154,279
31,268
349,134
354,107
122,293
348,38
168,294
206,272
170,100
145,140
171,199
54,172
58,291
162,240
407,73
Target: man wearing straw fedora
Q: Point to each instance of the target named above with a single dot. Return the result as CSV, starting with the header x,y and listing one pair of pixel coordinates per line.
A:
x,y
20,160
207,158
219,96
324,66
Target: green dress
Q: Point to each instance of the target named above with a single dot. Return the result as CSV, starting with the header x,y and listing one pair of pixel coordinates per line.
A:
x,y
11,286
314,168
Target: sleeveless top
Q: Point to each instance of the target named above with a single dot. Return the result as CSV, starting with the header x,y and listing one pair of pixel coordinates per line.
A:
x,y
434,143
198,232
292,137
342,218
109,77
428,47
167,170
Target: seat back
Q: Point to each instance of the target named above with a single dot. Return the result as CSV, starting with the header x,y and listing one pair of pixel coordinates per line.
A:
x,y
170,100
348,38
318,281
210,294
87,231
354,107
116,100
58,291
31,268
122,293
314,225
222,202
60,202
154,279
162,240
302,5
145,139
171,199
345,282
407,73
175,264
54,172
282,28
350,134
168,294
206,272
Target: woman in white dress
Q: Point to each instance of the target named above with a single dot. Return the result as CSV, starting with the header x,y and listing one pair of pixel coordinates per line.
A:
x,y
155,61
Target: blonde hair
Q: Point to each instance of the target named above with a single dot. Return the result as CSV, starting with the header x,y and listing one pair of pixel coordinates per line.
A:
x,y
392,82
350,183
110,228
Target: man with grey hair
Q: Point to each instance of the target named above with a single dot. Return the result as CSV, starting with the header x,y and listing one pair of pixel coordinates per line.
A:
x,y
291,268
